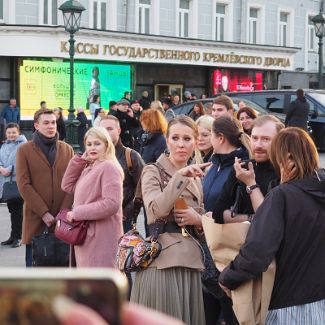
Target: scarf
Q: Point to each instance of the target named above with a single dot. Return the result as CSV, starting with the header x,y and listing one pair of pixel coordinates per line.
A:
x,y
47,145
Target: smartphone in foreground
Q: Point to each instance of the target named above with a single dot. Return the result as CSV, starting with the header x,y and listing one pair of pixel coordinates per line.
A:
x,y
244,163
27,295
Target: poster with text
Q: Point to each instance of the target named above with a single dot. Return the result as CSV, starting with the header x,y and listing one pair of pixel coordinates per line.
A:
x,y
50,81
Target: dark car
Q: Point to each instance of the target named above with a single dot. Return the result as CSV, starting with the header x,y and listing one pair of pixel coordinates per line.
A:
x,y
186,108
278,102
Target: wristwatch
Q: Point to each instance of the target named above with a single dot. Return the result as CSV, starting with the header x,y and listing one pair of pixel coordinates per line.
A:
x,y
249,189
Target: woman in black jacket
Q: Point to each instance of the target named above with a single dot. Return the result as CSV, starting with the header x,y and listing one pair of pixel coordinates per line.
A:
x,y
82,127
290,227
60,123
153,140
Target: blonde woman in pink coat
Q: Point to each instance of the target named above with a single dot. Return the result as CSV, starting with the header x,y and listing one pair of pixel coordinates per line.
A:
x,y
96,180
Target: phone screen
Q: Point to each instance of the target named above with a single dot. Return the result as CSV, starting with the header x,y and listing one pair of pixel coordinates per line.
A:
x,y
29,300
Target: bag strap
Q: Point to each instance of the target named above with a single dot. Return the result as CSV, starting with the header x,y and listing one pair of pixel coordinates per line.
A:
x,y
12,171
164,177
138,202
235,206
128,158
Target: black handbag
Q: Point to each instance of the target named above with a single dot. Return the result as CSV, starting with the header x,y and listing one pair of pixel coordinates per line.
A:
x,y
210,274
10,189
48,250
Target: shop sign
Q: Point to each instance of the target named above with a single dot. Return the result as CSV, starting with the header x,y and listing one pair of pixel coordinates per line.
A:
x,y
160,55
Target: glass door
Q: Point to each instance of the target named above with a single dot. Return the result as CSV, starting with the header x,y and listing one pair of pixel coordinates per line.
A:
x,y
165,90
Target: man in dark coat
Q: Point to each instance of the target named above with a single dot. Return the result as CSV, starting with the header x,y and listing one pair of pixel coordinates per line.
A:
x,y
132,173
127,121
145,101
298,111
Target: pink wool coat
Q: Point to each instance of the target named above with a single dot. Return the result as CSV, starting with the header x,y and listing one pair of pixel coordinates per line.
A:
x,y
97,197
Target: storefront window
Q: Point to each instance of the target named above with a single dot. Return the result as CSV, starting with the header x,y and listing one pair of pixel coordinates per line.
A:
x,y
283,30
235,80
99,14
1,10
50,12
144,16
311,35
220,21
183,18
253,19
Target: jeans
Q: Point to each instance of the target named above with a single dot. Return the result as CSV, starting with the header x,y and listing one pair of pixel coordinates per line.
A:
x,y
15,207
29,256
127,225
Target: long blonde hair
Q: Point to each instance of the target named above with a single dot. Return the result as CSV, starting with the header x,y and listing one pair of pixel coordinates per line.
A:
x,y
206,122
101,134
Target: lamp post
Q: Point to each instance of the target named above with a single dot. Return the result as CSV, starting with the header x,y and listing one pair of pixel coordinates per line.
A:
x,y
71,11
319,21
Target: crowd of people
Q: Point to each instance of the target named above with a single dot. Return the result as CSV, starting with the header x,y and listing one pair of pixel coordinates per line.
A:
x,y
232,167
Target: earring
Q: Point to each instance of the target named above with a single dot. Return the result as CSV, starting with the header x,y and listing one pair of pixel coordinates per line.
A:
x,y
167,152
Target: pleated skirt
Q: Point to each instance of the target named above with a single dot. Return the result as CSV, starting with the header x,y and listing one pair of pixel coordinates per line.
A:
x,y
308,314
174,291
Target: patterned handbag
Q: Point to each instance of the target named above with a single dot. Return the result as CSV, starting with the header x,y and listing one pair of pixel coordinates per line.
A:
x,y
134,252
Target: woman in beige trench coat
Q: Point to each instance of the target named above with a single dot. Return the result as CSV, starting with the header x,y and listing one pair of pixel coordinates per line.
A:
x,y
172,283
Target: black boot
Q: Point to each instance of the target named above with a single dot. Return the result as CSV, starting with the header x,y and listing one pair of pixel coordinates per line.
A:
x,y
9,241
16,243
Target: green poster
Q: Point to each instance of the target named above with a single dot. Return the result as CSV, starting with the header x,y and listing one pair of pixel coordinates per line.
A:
x,y
50,81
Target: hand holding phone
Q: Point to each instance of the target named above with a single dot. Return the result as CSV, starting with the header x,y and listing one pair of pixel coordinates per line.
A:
x,y
130,112
245,175
245,163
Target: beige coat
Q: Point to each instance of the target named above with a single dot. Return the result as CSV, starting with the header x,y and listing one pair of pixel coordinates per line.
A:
x,y
40,185
177,251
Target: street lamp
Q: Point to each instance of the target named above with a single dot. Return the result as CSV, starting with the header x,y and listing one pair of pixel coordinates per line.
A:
x,y
71,11
319,21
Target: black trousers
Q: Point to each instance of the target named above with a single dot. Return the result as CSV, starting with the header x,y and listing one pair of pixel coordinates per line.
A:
x,y
15,207
218,309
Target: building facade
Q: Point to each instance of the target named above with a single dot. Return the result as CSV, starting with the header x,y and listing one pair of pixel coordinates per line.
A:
x,y
163,46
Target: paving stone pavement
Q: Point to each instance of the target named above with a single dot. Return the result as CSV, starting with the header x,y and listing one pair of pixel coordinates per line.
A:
x,y
9,256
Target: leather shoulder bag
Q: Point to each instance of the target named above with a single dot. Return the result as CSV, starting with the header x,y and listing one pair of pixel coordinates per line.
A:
x,y
10,189
73,233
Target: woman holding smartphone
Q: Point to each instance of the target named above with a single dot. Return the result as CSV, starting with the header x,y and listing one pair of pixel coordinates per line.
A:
x,y
172,283
8,153
96,180
290,227
228,141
